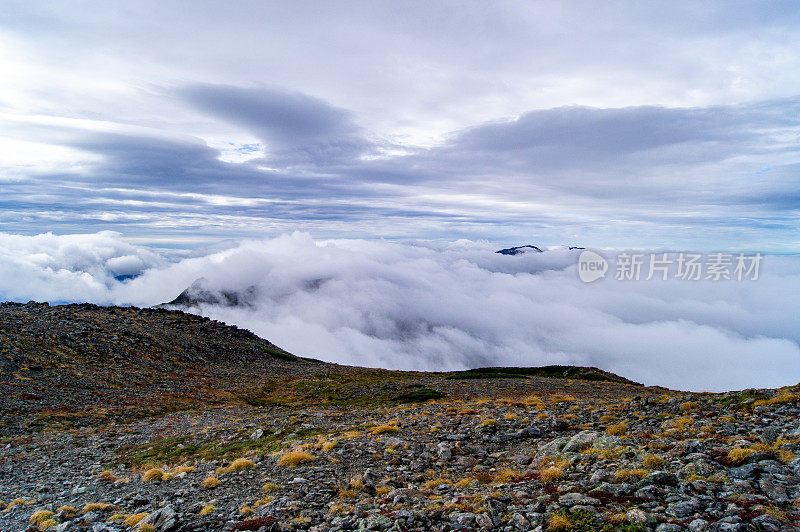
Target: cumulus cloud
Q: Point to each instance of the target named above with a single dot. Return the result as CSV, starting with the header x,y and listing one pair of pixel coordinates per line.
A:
x,y
448,306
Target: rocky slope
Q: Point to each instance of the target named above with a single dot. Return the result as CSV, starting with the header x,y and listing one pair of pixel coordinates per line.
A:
x,y
119,419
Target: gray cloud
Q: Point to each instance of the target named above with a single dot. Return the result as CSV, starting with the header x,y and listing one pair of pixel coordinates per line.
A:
x,y
295,127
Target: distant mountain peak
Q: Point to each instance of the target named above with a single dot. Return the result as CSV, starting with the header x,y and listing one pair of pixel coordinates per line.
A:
x,y
199,292
518,250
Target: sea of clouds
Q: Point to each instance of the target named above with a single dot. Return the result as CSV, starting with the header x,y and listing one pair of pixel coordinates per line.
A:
x,y
433,306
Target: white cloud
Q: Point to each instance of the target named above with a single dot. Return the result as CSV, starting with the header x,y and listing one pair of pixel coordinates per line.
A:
x,y
444,306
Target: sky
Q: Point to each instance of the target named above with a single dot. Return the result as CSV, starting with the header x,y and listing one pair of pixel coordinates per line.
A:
x,y
353,166
606,124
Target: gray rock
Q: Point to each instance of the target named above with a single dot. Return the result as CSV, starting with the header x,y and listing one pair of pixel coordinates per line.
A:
x,y
444,451
698,525
590,438
659,478
774,490
572,499
669,527
745,472
684,509
484,522
163,520
770,435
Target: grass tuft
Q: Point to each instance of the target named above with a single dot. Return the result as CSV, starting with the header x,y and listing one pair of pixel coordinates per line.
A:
x,y
152,474
133,520
210,482
295,458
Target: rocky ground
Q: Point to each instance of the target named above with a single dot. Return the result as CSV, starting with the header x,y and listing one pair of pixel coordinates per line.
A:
x,y
281,443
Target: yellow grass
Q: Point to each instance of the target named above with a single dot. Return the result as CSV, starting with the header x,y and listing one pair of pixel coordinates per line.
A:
x,y
133,520
653,461
152,474
269,487
295,458
558,523
210,482
40,517
619,429
67,511
432,484
739,455
550,474
207,509
262,502
96,507
385,429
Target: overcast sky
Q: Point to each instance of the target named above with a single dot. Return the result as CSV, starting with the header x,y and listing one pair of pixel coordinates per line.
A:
x,y
612,124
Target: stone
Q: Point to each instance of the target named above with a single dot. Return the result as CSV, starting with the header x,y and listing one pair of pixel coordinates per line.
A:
x,y
660,478
749,471
572,499
163,520
589,438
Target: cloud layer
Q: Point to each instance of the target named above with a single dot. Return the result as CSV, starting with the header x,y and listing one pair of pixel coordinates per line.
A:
x,y
629,127
443,306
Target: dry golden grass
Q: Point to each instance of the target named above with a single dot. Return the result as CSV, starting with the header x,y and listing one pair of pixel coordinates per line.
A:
x,y
688,407
262,502
96,507
67,511
558,523
558,398
182,469
48,524
240,464
488,422
245,510
618,430
40,517
784,398
270,487
785,456
152,474
623,475
210,482
550,474
380,491
739,455
433,483
653,461
464,482
328,446
468,412
385,429
295,458
107,476
133,520
503,475
207,509
535,402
